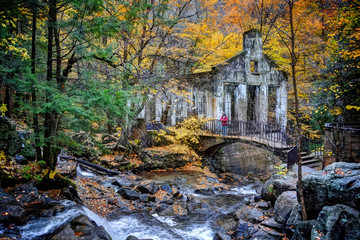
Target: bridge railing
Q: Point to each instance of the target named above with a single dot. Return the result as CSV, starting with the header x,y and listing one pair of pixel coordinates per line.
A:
x,y
263,131
273,132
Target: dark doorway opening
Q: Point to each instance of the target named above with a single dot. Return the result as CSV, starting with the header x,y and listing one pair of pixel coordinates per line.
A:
x,y
251,97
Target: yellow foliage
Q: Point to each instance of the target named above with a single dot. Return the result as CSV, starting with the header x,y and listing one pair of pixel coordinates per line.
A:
x,y
336,111
2,156
349,107
184,137
52,174
3,109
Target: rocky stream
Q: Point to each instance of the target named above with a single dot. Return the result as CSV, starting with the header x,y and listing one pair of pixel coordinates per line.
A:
x,y
185,205
189,203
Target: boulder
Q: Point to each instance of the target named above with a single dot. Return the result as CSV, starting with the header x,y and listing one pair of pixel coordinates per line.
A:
x,y
150,187
71,193
65,233
243,230
228,222
204,191
337,222
276,185
123,182
144,198
128,194
84,229
337,183
52,211
20,159
250,214
12,232
262,234
10,212
180,209
302,230
132,237
284,206
271,223
167,188
221,236
295,216
260,204
27,194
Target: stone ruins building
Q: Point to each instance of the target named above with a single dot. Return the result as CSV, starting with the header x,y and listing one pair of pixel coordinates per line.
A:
x,y
247,87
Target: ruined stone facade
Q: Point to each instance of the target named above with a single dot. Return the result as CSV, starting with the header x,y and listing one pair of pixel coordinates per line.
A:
x,y
247,87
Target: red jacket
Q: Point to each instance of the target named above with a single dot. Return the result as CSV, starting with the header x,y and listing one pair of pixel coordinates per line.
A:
x,y
224,120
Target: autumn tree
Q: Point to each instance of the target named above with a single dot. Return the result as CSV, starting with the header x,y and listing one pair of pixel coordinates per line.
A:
x,y
338,85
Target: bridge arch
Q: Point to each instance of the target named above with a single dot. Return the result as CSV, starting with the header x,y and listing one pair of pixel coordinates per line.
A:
x,y
210,145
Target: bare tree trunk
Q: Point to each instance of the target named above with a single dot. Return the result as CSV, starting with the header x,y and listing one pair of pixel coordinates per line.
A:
x,y
49,123
33,93
8,101
293,72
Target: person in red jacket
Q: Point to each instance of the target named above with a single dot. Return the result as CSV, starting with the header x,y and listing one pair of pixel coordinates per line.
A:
x,y
224,120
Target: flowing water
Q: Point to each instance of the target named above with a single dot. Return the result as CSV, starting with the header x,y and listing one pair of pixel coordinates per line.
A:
x,y
197,225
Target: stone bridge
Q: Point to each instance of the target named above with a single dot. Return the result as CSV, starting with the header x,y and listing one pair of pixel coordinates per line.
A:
x,y
212,143
273,137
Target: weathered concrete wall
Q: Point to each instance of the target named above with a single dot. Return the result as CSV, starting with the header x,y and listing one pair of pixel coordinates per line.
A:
x,y
226,89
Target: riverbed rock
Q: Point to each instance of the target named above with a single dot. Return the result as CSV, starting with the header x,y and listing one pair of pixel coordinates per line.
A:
x,y
337,222
52,211
221,236
128,194
27,194
123,182
144,198
260,204
276,185
149,187
243,230
10,212
250,214
180,209
132,237
65,233
167,188
228,222
337,183
67,168
84,229
204,191
284,205
271,223
71,193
